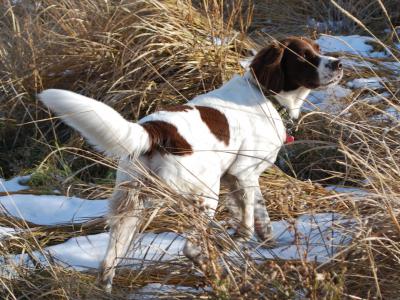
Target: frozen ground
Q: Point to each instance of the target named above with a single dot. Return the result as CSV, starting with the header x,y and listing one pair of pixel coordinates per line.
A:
x,y
6,231
372,83
13,185
158,290
51,209
350,44
314,237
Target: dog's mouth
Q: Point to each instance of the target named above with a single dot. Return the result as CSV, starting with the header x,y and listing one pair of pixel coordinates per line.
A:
x,y
335,79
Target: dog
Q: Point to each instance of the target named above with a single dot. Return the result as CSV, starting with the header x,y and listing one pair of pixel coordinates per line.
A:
x,y
234,131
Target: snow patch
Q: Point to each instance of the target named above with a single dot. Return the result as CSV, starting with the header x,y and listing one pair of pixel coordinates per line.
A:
x,y
354,64
51,209
158,290
377,98
312,237
351,44
324,26
325,99
15,184
372,83
6,232
246,62
347,190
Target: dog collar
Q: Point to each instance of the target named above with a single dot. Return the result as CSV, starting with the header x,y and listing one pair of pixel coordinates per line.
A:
x,y
283,112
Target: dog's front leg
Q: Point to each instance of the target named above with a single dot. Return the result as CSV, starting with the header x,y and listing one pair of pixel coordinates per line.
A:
x,y
246,201
262,222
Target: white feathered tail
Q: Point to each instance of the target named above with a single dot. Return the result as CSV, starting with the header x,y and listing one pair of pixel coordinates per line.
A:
x,y
101,125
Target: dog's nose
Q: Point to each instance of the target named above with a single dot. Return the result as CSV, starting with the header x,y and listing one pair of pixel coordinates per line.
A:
x,y
336,65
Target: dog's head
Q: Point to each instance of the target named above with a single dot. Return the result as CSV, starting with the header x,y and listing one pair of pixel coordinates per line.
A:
x,y
293,63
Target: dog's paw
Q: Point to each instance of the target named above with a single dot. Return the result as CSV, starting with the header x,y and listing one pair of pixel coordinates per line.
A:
x,y
195,254
243,234
105,279
263,230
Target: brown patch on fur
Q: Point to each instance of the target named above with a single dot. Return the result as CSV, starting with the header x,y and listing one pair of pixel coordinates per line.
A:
x,y
165,138
312,43
176,108
266,67
216,122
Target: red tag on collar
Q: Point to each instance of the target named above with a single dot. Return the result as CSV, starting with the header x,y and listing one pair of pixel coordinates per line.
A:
x,y
289,139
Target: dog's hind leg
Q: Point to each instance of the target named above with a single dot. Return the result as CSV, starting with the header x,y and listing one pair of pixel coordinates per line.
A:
x,y
206,207
125,221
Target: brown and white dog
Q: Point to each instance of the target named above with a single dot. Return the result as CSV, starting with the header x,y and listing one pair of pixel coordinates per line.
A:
x,y
233,131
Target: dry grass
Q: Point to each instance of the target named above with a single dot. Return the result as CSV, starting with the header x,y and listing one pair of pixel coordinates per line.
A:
x,y
137,55
319,16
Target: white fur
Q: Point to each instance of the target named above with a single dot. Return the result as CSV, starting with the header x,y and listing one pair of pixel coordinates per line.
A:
x,y
325,73
103,127
293,100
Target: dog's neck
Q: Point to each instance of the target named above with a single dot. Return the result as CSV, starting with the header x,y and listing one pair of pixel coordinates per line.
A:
x,y
291,100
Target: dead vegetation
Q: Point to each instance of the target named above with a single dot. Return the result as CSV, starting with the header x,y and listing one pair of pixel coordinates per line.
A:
x,y
137,55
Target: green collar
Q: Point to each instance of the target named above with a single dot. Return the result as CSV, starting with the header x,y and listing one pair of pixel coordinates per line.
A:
x,y
282,110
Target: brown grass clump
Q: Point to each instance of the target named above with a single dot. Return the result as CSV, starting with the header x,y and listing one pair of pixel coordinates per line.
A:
x,y
319,16
133,55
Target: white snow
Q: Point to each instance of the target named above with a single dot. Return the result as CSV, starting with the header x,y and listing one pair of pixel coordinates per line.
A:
x,y
355,63
245,62
312,237
377,98
218,41
394,66
87,251
51,209
6,231
390,114
326,99
353,191
393,112
372,83
15,184
318,238
351,44
158,290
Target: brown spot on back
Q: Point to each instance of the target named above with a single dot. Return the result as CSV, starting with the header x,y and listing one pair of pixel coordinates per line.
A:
x,y
165,138
175,108
216,122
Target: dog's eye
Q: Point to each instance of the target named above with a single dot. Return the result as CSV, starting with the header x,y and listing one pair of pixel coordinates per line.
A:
x,y
303,57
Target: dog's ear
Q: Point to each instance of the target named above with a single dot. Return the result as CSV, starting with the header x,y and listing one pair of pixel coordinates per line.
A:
x,y
266,67
312,43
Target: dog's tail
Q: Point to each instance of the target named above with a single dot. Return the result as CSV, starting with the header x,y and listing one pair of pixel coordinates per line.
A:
x,y
101,125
